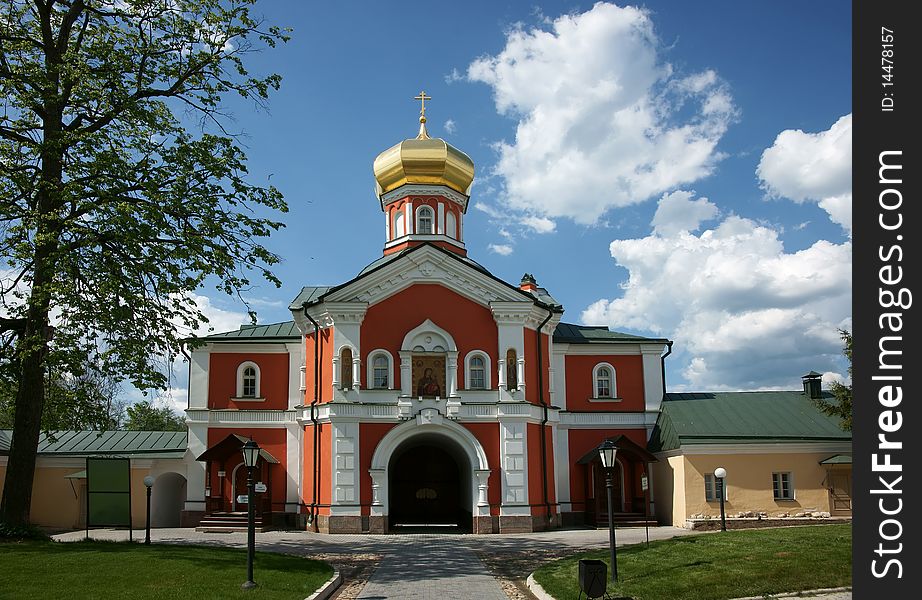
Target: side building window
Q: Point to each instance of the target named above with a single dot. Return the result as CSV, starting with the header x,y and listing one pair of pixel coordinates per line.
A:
x,y
711,485
248,380
380,370
477,371
783,486
604,382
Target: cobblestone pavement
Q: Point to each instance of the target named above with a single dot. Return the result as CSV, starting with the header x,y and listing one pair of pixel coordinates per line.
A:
x,y
378,567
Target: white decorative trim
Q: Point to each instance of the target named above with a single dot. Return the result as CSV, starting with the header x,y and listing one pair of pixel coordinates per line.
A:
x,y
612,386
425,190
427,422
439,225
418,337
400,225
243,399
244,347
451,232
602,349
231,417
606,400
487,369
240,369
602,419
370,369
759,448
400,274
423,237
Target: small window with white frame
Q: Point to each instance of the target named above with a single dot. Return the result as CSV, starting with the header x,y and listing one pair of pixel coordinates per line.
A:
x,y
380,370
604,382
424,220
248,383
477,371
711,488
783,485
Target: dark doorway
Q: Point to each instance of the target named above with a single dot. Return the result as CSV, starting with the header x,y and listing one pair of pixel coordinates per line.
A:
x,y
426,490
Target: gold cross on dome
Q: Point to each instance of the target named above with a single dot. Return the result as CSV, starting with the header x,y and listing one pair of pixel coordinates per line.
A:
x,y
422,98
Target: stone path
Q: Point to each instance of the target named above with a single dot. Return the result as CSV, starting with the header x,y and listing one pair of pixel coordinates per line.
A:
x,y
416,566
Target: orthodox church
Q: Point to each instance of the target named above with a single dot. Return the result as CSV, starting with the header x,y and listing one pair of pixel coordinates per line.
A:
x,y
424,391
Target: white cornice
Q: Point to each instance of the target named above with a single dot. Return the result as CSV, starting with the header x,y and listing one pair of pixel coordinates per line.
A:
x,y
420,237
390,412
425,265
250,347
253,418
417,189
589,420
765,448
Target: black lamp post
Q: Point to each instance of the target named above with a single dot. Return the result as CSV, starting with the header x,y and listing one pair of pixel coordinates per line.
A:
x,y
148,483
250,452
607,453
720,474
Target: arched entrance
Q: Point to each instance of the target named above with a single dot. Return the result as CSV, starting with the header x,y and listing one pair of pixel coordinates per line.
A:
x,y
429,485
429,472
167,498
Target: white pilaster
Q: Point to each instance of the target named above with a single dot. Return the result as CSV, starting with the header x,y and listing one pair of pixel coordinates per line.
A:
x,y
410,217
198,379
513,445
195,473
652,377
562,467
378,491
345,466
293,451
406,373
452,373
440,223
356,373
483,502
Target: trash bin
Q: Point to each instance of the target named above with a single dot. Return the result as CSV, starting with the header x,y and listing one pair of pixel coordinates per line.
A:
x,y
593,577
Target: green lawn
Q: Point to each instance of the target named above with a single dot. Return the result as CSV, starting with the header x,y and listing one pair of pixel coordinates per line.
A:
x,y
721,565
161,572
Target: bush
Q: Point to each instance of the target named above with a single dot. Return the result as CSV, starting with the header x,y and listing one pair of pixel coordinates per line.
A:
x,y
21,532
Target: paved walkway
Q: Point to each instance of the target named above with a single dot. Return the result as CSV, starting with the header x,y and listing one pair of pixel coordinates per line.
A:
x,y
420,566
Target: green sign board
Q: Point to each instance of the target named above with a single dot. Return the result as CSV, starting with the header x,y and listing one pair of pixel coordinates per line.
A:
x,y
108,492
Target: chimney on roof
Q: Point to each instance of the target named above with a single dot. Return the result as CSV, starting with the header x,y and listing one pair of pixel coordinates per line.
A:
x,y
529,283
813,385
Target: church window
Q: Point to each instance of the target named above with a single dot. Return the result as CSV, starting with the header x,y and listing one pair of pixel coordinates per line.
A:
x,y
604,381
380,371
451,225
248,380
477,371
512,370
345,366
424,220
399,225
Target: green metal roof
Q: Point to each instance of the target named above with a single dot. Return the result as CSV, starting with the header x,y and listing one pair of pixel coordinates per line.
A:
x,y
742,418
570,333
151,444
284,330
308,294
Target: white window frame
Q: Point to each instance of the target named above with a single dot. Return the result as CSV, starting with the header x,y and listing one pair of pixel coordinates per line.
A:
x,y
370,369
451,225
240,369
780,487
710,488
487,369
400,226
419,211
612,386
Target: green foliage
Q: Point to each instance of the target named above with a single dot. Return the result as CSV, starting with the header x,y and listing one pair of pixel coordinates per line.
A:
x,y
841,405
21,532
144,416
122,191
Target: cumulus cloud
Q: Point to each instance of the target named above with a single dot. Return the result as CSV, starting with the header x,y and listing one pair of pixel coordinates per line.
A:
x,y
744,312
603,122
450,126
812,167
501,249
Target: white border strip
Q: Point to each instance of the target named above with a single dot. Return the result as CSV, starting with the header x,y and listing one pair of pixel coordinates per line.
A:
x,y
327,589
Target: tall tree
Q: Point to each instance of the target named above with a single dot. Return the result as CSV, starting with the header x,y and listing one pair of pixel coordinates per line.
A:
x,y
113,209
144,416
841,403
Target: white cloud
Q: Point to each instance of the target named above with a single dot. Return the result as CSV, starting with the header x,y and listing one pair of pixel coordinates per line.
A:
x,y
744,313
677,212
450,126
598,113
812,167
219,320
501,249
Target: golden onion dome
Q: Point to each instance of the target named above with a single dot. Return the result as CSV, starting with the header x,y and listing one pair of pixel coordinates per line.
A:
x,y
423,160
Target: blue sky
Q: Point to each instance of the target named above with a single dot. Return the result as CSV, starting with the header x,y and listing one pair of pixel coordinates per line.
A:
x,y
632,159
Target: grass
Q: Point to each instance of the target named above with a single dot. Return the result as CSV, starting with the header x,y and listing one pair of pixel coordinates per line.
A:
x,y
718,566
32,569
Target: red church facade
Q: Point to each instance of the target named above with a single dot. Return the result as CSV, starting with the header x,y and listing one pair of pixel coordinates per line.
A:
x,y
424,391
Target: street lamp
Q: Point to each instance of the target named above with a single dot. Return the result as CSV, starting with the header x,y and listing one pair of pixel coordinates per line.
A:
x,y
250,452
720,473
607,451
149,483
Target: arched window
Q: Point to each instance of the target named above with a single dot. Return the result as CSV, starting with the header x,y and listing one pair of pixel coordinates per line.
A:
x,y
379,370
424,220
345,368
248,380
451,225
605,384
477,371
399,225
512,370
